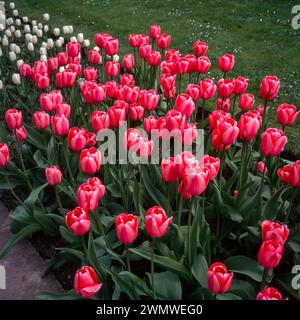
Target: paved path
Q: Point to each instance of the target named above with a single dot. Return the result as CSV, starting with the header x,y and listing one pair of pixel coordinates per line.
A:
x,y
23,266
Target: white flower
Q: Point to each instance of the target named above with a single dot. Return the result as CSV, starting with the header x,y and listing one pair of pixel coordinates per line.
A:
x,y
40,25
58,43
67,29
15,12
18,34
28,37
20,62
61,69
1,54
16,78
2,27
12,29
12,46
27,28
39,33
12,5
33,22
18,22
9,21
25,19
73,39
62,40
44,44
43,58
30,46
50,43
35,29
34,39
43,51
80,37
116,58
12,56
5,41
46,16
1,85
56,32
8,33
46,28
86,43
18,50
96,48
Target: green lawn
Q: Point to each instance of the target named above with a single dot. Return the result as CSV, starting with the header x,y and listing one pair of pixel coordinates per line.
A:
x,y
258,32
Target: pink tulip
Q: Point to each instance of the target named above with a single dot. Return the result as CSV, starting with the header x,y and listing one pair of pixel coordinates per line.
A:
x,y
219,280
286,114
127,226
226,62
269,88
53,175
272,142
157,223
90,160
86,283
60,125
4,155
270,254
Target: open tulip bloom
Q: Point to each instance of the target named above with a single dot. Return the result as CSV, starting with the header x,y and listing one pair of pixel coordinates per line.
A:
x,y
147,167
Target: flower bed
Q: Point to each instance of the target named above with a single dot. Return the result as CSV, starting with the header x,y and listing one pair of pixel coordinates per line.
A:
x,y
146,221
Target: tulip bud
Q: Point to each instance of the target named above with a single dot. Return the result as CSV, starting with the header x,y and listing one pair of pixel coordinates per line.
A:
x,y
90,160
4,155
272,142
127,226
286,114
16,79
77,139
60,125
269,88
274,231
269,294
86,283
88,197
157,223
218,279
13,118
21,134
169,170
246,101
53,175
270,254
290,174
226,62
212,164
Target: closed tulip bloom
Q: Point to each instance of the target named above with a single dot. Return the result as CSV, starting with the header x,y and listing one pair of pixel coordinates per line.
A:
x,y
290,174
274,231
184,162
217,116
136,112
172,55
269,294
21,133
261,167
42,81
41,120
73,49
111,46
150,124
286,114
225,134
212,164
112,69
226,62
181,65
154,58
49,101
95,182
195,180
91,139
127,79
225,88
270,254
240,85
25,70
184,104
193,90
246,101
163,41
200,48
13,118
94,56
53,175
60,125
219,280
78,221
127,226
207,89
90,160
86,283
88,197
40,67
223,104
65,79
269,88
90,73
202,65
131,139
100,38
145,148
52,64
128,61
62,59
134,40
128,94
117,116
175,120
4,155
92,92
169,170
63,109
157,223
167,81
188,134
76,68
154,31
169,94
249,125
111,89
273,142
149,99
100,121
144,50
77,139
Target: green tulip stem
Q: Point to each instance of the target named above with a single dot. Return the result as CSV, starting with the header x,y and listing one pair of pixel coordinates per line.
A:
x,y
180,210
58,200
152,266
127,258
264,279
290,206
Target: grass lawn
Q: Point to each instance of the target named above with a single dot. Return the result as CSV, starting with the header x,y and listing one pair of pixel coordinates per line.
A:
x,y
258,32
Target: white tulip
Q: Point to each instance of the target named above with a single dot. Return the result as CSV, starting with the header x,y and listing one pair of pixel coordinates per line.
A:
x,y
61,69
1,54
20,62
15,12
9,21
12,5
33,22
80,37
30,46
16,78
18,50
39,33
56,32
50,43
43,58
44,44
43,51
12,56
1,85
28,37
8,33
96,48
67,29
58,43
46,17
116,58
5,41
12,46
18,22
35,29
2,27
46,28
86,43
25,19
73,39
27,28
34,39
12,29
18,34
40,25
62,40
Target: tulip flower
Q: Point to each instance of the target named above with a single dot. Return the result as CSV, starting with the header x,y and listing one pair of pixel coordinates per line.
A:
x,y
169,170
25,70
128,61
193,90
274,231
163,41
200,48
269,294
126,79
4,155
184,104
73,49
167,81
13,118
88,197
181,66
153,58
76,68
131,138
150,123
226,62
21,133
78,221
207,89
92,92
65,79
144,50
219,280
225,88
62,58
223,104
90,73
188,134
86,283
53,175
290,174
272,142
97,183
184,162
117,115
217,116
270,254
111,46
202,65
154,31
286,114
246,101
94,56
127,226
175,120
100,38
63,109
52,64
225,134
136,112
112,69
269,88
49,101
100,121
261,167
60,125
129,94
195,180
249,125
212,164
111,88
240,85
149,99
145,147
156,222
90,160
77,139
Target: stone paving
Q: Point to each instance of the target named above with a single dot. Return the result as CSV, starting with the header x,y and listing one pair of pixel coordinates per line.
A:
x,y
23,267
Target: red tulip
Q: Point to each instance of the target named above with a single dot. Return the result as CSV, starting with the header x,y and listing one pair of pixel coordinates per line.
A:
x,y
76,68
225,88
112,69
94,56
168,67
167,81
200,48
52,64
90,160
240,85
175,120
217,116
92,92
41,120
195,180
225,134
128,94
65,79
249,125
131,138
261,167
145,148
172,55
144,50
223,104
184,104
163,41
77,139
25,70
111,89
150,124
127,226
78,221
117,115
4,155
97,183
154,58
100,121
134,40
49,101
53,175
290,174
86,282
270,254
91,139
90,73
128,61
136,112
193,90
184,162
272,142
154,31
286,114
21,133
170,94
60,125
40,67
269,88
13,118
62,58
274,231
157,223
88,197
188,134
73,49
111,46
246,101
127,79
181,66
169,170
100,38
219,280
212,164
269,294
63,109
226,62
202,65
207,89
149,99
